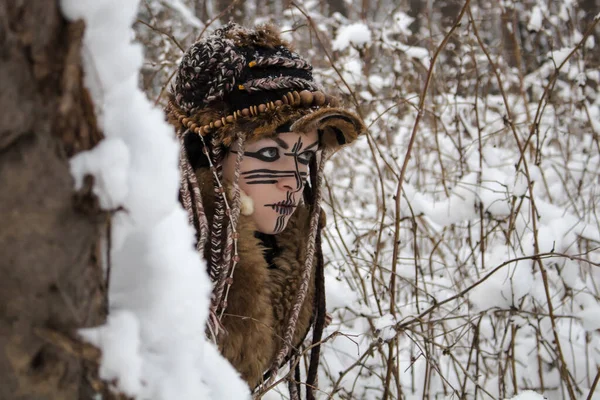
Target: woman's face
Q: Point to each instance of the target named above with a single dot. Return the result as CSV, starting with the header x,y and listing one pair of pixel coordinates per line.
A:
x,y
273,173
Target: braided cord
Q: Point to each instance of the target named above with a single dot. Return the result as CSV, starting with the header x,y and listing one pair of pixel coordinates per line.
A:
x,y
184,186
285,62
216,233
192,201
277,83
306,273
229,263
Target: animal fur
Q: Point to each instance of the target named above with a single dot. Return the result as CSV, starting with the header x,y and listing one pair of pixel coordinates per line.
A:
x,y
261,298
337,127
266,35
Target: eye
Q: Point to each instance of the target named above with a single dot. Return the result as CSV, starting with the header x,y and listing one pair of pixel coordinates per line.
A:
x,y
304,158
268,154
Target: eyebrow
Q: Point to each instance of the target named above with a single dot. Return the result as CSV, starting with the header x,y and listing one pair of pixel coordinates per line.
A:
x,y
312,145
281,143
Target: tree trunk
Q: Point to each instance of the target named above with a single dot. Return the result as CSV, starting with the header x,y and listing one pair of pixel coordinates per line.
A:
x,y
51,281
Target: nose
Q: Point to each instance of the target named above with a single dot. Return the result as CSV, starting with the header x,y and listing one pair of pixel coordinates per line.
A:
x,y
291,183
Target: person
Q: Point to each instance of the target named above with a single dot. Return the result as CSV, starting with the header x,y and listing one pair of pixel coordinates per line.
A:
x,y
256,130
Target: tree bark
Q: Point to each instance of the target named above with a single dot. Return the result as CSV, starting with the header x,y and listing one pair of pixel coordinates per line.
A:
x,y
52,281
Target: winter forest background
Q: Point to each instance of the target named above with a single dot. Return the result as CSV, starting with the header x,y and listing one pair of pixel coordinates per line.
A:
x,y
463,238
477,277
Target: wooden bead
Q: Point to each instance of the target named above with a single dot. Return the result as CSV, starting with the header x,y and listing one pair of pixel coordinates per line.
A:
x,y
223,121
306,98
245,112
206,128
262,108
278,103
319,98
296,97
285,100
200,131
230,119
290,98
218,123
332,101
212,125
193,127
185,121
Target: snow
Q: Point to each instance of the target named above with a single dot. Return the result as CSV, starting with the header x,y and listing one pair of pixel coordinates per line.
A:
x,y
109,164
357,35
560,55
119,340
153,343
535,21
402,21
528,395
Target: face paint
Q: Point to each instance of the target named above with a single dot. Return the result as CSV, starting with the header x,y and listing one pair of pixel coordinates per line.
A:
x,y
273,173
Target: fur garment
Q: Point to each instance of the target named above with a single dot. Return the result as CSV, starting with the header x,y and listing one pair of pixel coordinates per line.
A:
x,y
261,298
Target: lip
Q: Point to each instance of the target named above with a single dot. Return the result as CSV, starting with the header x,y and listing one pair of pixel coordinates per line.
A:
x,y
283,207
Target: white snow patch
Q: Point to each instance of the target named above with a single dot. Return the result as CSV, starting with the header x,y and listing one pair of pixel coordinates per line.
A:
x,y
120,343
108,163
153,344
590,317
357,34
384,326
559,56
528,395
535,21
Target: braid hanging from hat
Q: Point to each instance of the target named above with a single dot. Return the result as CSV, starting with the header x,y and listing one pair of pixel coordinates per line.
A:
x,y
238,86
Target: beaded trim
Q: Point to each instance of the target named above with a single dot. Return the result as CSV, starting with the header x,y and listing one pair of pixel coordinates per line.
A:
x,y
305,99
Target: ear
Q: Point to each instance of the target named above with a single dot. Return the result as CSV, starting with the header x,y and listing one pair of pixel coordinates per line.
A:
x,y
336,126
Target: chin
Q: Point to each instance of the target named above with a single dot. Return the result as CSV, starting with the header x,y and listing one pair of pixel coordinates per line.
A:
x,y
271,229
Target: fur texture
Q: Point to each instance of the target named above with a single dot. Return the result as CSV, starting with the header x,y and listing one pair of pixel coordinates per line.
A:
x,y
266,35
260,298
337,127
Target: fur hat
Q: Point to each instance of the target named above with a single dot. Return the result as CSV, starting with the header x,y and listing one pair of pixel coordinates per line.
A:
x,y
243,80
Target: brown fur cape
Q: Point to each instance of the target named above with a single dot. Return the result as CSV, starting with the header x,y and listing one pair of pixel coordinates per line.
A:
x,y
261,298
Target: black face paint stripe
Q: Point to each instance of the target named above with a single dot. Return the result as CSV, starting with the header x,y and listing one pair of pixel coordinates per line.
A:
x,y
297,146
279,224
248,177
272,176
312,145
265,182
281,143
272,171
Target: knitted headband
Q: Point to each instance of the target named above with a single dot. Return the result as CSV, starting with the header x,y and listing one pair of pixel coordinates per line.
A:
x,y
242,80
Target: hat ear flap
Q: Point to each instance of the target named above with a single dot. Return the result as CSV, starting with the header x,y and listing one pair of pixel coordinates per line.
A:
x,y
336,127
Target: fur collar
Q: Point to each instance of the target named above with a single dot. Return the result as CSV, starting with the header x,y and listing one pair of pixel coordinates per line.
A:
x,y
261,298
